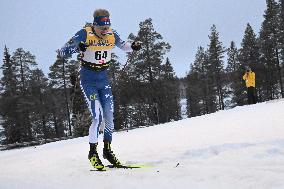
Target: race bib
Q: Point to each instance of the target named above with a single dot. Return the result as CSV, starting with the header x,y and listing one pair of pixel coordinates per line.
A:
x,y
97,57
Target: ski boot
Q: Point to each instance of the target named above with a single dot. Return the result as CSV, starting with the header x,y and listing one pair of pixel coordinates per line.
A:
x,y
94,158
109,155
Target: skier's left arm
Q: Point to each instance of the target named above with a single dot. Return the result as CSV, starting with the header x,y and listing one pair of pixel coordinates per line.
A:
x,y
126,46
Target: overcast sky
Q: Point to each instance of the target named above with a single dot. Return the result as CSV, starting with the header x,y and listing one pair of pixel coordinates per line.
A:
x,y
42,26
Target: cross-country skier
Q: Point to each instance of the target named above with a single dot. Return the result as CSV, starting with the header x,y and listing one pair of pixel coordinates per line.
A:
x,y
95,42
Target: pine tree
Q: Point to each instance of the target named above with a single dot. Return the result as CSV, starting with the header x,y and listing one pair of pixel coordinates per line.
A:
x,y
234,77
40,116
232,62
151,55
281,31
168,89
198,88
7,100
193,94
269,51
8,81
60,74
145,67
17,71
281,46
250,56
24,62
216,69
249,52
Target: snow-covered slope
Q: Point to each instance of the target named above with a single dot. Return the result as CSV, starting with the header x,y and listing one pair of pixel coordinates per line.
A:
x,y
237,149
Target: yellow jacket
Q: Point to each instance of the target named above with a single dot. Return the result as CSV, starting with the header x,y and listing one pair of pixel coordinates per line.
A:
x,y
249,77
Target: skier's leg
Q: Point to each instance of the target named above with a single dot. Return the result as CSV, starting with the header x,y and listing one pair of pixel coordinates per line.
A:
x,y
101,120
108,110
92,99
93,102
94,157
94,128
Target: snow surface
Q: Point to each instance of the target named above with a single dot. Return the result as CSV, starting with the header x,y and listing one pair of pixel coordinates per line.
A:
x,y
239,148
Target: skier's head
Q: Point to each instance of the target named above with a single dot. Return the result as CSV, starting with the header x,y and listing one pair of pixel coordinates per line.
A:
x,y
101,22
248,69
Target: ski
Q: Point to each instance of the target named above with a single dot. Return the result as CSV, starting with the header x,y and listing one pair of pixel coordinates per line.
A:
x,y
99,170
125,166
109,167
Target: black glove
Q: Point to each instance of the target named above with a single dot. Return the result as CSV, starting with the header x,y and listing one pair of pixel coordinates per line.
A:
x,y
136,45
82,46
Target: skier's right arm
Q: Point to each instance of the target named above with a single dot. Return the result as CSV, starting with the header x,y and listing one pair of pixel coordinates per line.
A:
x,y
71,46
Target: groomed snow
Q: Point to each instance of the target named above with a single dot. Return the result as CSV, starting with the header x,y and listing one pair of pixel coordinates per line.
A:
x,y
241,148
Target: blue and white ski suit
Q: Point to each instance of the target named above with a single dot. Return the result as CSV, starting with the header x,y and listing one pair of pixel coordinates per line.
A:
x,y
93,76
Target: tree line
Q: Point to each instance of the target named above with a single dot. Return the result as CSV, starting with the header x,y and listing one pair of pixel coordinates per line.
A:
x,y
34,106
146,90
214,85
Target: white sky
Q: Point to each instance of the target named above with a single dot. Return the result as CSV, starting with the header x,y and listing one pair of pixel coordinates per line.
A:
x,y
42,26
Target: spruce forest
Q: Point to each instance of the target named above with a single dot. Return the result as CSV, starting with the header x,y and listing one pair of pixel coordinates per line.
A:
x,y
36,106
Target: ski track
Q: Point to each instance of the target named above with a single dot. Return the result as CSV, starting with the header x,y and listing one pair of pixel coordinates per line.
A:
x,y
241,148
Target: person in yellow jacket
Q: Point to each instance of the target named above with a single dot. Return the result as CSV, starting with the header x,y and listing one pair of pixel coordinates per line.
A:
x,y
249,78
